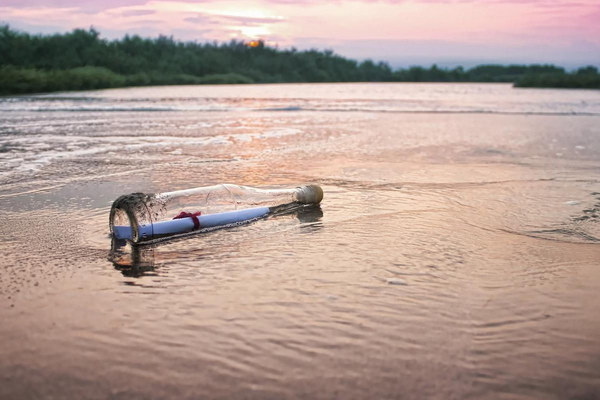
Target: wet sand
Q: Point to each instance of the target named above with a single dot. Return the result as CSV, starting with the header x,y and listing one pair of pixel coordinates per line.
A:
x,y
455,255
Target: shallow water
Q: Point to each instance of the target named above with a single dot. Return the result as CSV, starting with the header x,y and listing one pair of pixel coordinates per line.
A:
x,y
455,254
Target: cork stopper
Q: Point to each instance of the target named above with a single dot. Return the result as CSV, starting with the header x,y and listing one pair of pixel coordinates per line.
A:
x,y
309,194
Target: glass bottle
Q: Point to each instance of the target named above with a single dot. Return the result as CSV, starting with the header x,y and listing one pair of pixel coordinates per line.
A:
x,y
140,217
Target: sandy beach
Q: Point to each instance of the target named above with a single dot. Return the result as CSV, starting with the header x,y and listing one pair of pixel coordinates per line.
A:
x,y
455,254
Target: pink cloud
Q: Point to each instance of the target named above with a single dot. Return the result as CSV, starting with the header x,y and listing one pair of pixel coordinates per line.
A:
x,y
84,5
551,29
252,20
136,13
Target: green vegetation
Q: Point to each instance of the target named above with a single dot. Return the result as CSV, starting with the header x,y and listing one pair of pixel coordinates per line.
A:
x,y
583,78
81,60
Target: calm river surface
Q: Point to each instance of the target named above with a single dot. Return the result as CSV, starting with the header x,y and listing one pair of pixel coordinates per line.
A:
x,y
456,253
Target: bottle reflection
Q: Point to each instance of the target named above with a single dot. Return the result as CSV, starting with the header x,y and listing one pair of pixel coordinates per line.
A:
x,y
309,214
305,213
132,261
140,260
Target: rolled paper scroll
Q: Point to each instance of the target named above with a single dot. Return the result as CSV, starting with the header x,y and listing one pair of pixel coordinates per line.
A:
x,y
183,225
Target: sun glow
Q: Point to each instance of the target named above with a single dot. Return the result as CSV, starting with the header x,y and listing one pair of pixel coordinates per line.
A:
x,y
254,32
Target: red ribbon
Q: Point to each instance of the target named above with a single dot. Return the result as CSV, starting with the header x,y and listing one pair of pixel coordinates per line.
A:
x,y
193,216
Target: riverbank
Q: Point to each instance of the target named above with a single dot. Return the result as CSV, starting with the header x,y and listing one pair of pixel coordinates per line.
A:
x,y
15,81
584,78
81,60
30,80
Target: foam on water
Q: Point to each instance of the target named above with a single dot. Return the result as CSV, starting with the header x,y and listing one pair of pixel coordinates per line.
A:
x,y
439,98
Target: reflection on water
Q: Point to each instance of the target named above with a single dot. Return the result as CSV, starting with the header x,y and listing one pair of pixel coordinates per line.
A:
x,y
132,261
455,254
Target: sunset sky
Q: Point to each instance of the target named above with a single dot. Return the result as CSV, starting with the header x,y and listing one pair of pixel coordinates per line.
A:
x,y
410,32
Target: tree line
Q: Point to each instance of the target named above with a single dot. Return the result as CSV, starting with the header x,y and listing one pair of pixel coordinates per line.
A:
x,y
81,59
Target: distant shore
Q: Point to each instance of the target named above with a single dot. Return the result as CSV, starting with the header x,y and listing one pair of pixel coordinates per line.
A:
x,y
81,60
